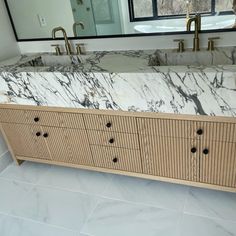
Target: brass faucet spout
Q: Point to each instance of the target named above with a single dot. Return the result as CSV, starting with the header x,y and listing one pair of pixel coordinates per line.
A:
x,y
67,43
197,25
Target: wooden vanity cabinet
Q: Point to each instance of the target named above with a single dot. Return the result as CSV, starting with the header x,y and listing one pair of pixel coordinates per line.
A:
x,y
192,150
198,151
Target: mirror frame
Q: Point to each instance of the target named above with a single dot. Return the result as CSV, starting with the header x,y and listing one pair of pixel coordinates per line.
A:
x,y
111,36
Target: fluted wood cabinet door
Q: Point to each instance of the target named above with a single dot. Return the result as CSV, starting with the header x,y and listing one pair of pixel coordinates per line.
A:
x,y
24,141
68,145
218,163
170,157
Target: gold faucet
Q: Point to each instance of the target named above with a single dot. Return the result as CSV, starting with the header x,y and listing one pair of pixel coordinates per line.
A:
x,y
197,21
67,43
81,24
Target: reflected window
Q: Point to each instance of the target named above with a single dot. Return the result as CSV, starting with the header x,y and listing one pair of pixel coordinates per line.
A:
x,y
141,10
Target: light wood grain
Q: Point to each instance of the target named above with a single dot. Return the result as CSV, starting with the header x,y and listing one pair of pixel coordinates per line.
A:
x,y
123,140
118,123
127,159
219,166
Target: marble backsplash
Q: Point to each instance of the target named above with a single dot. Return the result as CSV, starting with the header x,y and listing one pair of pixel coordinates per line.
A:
x,y
124,81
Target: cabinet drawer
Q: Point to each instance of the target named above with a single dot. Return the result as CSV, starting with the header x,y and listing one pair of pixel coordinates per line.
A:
x,y
72,120
216,131
42,118
13,116
112,139
110,123
166,128
117,158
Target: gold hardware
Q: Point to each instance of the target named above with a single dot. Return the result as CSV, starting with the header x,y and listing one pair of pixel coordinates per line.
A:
x,y
57,49
187,10
80,49
67,43
197,21
81,24
211,43
180,45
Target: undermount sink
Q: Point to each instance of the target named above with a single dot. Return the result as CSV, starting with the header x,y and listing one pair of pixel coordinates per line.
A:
x,y
190,58
130,61
54,60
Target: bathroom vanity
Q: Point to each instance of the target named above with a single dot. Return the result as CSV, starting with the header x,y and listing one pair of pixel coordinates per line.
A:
x,y
152,114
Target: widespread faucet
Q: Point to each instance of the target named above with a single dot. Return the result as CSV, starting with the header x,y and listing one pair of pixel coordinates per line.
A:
x,y
67,43
197,25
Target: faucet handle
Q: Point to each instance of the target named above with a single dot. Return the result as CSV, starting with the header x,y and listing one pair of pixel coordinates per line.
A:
x,y
211,43
180,45
80,49
57,49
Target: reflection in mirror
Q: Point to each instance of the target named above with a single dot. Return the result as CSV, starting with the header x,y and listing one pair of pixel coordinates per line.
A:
x,y
35,19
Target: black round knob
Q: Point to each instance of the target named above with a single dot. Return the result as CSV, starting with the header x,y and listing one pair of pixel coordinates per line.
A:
x,y
36,119
115,160
108,125
193,150
205,151
45,135
111,140
38,134
200,132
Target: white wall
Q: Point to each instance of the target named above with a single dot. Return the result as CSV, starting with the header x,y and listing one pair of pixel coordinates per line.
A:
x,y
55,12
8,48
8,45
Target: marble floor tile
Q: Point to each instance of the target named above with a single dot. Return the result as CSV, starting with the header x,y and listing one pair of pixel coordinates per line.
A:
x,y
57,207
5,161
27,172
118,218
76,180
201,226
11,194
155,193
3,146
211,203
11,226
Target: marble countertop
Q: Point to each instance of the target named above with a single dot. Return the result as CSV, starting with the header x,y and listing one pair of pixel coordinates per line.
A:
x,y
149,81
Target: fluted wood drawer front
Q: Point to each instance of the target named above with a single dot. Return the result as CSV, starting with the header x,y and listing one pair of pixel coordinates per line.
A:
x,y
166,128
26,140
117,158
110,123
71,120
43,118
218,163
112,139
170,157
216,131
13,116
68,145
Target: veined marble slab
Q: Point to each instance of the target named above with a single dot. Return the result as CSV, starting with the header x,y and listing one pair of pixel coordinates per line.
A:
x,y
128,81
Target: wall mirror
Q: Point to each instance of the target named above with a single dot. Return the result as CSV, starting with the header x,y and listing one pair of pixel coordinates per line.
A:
x,y
35,19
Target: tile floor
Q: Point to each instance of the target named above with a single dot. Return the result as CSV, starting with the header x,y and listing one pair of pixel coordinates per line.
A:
x,y
44,200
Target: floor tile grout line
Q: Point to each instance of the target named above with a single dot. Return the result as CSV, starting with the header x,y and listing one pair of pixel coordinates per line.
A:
x,y
140,204
208,217
4,153
89,216
186,198
35,221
